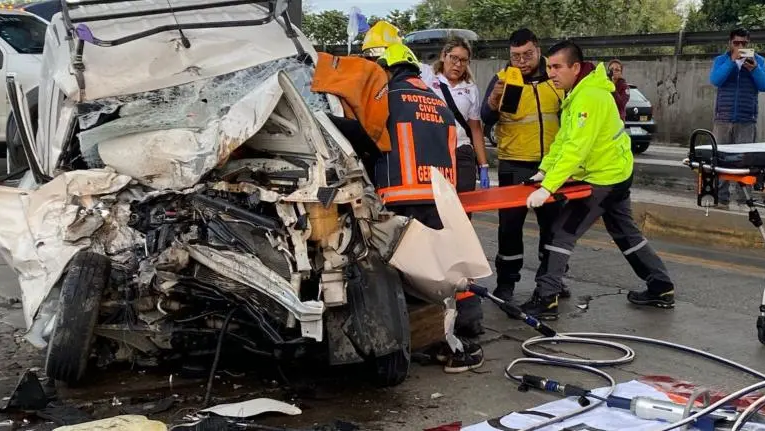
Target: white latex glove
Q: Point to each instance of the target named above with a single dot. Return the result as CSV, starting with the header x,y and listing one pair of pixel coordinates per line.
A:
x,y
538,198
539,176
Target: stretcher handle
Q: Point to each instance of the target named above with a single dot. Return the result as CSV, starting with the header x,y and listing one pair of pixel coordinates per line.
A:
x,y
692,150
528,182
557,196
740,172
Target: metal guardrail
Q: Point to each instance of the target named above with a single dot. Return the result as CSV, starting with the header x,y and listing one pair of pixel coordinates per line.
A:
x,y
675,40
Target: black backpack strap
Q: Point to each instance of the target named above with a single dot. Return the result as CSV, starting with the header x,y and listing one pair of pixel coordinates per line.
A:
x,y
453,106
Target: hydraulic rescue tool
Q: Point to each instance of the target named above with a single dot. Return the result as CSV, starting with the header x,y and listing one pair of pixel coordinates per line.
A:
x,y
643,407
667,411
513,311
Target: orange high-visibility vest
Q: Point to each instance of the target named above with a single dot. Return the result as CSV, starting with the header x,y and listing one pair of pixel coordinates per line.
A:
x,y
423,134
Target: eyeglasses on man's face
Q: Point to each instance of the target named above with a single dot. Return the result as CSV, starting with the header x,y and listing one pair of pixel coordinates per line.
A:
x,y
526,56
739,42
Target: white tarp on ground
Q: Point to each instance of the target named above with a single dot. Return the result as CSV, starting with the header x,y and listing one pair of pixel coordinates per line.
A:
x,y
600,418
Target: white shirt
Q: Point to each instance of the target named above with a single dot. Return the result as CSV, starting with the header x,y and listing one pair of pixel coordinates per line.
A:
x,y
465,97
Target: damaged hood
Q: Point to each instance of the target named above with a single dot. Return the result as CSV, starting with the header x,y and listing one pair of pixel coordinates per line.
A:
x,y
171,138
161,60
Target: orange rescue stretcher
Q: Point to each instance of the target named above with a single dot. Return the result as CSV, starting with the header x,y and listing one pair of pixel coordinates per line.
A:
x,y
740,163
497,198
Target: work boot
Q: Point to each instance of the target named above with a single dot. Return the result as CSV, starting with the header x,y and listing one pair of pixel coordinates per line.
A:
x,y
469,318
542,307
505,291
565,293
468,359
659,300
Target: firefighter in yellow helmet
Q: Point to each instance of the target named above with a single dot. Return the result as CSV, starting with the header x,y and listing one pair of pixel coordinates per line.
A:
x,y
378,38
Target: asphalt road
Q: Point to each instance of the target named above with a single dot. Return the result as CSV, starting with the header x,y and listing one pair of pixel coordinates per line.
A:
x,y
718,294
661,167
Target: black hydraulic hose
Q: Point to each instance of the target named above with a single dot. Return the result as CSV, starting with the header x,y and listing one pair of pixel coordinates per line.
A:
x,y
596,338
513,311
218,349
592,365
588,365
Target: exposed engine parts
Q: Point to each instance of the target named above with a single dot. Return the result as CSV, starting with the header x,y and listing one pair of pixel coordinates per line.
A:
x,y
177,303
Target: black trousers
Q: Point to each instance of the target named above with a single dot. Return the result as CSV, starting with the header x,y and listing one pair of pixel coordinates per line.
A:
x,y
613,204
466,169
426,214
509,260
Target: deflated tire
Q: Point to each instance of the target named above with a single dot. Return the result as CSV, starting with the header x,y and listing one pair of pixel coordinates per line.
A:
x,y
72,337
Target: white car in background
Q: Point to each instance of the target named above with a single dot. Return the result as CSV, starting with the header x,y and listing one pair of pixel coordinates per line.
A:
x,y
22,37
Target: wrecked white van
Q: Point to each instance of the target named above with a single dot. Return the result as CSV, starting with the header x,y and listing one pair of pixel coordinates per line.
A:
x,y
186,187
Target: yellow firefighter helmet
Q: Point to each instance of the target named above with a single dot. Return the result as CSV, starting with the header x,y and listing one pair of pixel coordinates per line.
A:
x,y
398,53
382,35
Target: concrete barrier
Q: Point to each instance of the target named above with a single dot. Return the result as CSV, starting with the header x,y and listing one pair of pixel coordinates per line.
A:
x,y
680,105
674,216
693,225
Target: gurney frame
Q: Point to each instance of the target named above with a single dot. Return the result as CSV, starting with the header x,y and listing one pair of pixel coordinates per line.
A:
x,y
707,193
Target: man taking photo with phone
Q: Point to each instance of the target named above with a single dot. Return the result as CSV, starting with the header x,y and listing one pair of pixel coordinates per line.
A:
x,y
739,76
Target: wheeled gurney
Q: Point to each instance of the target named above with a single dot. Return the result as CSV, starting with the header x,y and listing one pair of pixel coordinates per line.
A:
x,y
743,164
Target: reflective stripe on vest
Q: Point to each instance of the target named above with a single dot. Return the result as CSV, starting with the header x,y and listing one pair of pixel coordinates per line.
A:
x,y
453,151
533,118
406,153
423,134
411,188
518,134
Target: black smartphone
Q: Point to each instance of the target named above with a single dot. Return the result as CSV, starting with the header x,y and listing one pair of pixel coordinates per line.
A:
x,y
511,94
511,98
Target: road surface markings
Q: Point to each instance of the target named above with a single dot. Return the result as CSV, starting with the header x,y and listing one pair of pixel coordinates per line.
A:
x,y
672,257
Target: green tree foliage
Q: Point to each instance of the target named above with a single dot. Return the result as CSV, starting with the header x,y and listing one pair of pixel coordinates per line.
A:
x,y
753,17
727,14
496,19
327,27
402,19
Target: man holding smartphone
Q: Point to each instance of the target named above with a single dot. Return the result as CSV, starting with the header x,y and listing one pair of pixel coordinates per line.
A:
x,y
739,76
526,119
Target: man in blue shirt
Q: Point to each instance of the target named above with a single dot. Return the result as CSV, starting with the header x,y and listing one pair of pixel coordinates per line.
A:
x,y
739,78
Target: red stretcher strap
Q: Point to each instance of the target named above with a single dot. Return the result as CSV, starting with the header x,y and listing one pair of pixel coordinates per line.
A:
x,y
515,196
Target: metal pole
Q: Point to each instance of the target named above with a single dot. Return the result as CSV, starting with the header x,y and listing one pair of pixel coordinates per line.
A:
x,y
295,11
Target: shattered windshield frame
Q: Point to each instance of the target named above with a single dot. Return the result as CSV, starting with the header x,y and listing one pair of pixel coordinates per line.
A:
x,y
75,17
